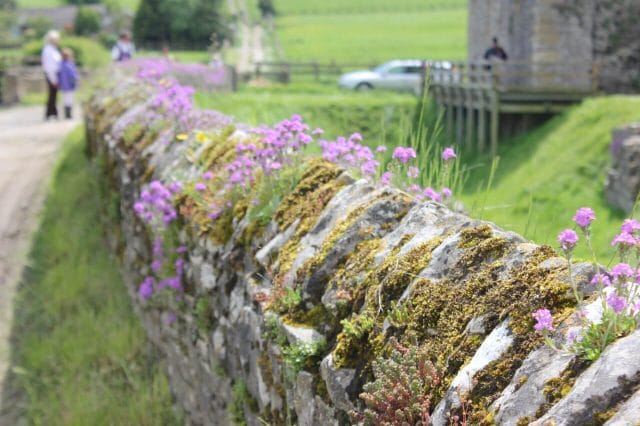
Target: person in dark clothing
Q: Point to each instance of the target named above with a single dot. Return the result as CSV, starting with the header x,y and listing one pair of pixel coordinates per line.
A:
x,y
495,51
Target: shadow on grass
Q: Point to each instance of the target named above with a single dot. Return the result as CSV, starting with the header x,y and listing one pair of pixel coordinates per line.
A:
x,y
79,354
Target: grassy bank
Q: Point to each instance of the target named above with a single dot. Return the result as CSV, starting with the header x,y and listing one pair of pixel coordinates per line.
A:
x,y
545,175
80,354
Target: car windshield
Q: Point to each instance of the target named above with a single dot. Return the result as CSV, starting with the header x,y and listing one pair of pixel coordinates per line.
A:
x,y
381,69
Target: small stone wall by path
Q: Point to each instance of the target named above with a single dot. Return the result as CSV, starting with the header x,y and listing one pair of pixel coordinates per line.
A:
x,y
373,269
28,148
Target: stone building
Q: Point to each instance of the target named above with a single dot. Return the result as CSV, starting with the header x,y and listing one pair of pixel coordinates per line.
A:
x,y
573,45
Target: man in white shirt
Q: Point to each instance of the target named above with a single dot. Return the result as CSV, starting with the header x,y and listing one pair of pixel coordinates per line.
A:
x,y
123,50
51,61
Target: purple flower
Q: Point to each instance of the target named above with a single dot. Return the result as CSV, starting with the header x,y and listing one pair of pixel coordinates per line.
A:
x,y
629,226
624,240
446,192
601,279
622,270
381,148
181,249
404,154
413,172
448,154
200,187
207,175
355,137
584,216
145,290
573,335
414,189
317,131
544,320
617,303
432,194
175,187
386,178
568,239
156,265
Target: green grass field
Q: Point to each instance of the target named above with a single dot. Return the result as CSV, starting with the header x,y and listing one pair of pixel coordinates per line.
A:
x,y
376,31
319,7
381,117
80,353
545,175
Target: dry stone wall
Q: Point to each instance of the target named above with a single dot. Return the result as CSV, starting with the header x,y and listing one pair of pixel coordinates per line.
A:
x,y
374,270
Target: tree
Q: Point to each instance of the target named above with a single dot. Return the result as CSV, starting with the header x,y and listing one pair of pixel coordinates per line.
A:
x,y
8,5
266,7
191,23
150,26
87,21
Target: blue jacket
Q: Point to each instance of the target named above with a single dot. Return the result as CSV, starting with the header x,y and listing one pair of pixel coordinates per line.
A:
x,y
68,76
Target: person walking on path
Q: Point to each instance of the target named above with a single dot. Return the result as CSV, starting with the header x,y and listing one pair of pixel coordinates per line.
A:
x,y
123,49
68,81
51,61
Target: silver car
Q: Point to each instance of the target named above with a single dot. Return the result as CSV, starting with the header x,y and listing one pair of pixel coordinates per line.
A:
x,y
402,75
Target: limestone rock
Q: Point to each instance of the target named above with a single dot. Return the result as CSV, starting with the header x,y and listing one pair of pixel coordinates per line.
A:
x,y
606,380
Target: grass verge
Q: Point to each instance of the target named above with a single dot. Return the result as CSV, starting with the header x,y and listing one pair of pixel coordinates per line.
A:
x,y
80,355
545,175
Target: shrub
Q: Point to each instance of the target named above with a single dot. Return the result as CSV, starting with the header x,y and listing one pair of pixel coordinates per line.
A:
x,y
88,53
87,21
401,390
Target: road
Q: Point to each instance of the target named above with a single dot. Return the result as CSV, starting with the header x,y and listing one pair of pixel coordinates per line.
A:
x,y
28,148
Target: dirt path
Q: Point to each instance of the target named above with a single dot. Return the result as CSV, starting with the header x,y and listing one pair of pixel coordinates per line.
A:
x,y
28,148
251,35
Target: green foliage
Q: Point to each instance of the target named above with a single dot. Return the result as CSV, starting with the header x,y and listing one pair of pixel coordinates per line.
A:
x,y
87,21
241,398
545,175
204,315
88,53
401,392
82,354
596,337
37,26
266,7
357,327
287,301
297,357
272,331
7,4
193,23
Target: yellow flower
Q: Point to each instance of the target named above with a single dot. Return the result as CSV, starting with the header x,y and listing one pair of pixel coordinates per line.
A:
x,y
182,136
201,137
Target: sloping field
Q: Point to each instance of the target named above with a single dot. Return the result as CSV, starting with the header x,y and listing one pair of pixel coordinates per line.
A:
x,y
545,175
371,31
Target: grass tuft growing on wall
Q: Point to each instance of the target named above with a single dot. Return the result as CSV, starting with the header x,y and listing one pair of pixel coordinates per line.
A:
x,y
80,356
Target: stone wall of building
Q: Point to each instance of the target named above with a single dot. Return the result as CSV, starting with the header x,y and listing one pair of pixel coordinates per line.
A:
x,y
281,322
559,44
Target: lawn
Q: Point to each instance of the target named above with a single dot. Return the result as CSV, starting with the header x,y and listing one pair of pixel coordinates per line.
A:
x,y
80,355
354,32
380,116
545,175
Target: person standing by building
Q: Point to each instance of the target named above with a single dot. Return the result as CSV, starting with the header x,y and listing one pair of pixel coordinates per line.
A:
x,y
123,49
51,62
68,81
495,51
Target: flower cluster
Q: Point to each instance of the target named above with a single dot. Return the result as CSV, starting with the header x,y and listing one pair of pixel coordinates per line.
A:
x,y
616,293
155,205
350,153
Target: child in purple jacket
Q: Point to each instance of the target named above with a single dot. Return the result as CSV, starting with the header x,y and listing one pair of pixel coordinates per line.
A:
x,y
68,80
